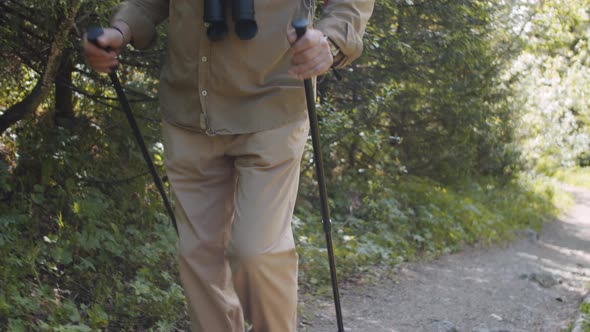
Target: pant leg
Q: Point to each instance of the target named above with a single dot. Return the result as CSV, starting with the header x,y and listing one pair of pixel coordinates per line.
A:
x,y
263,256
203,181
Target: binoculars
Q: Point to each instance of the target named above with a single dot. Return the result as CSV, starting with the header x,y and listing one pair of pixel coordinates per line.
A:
x,y
242,14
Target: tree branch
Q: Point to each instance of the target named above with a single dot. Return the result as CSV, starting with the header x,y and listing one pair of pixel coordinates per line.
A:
x,y
30,103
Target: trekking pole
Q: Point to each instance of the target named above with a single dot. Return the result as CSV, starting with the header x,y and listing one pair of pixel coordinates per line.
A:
x,y
300,26
92,37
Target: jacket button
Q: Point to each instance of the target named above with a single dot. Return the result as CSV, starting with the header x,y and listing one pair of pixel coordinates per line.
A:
x,y
204,93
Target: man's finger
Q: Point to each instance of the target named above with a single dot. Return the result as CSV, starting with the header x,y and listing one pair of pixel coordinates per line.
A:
x,y
319,69
307,55
103,62
308,67
291,36
103,42
92,50
308,40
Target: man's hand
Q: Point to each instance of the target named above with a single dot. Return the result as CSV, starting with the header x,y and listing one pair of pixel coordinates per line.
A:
x,y
311,54
101,60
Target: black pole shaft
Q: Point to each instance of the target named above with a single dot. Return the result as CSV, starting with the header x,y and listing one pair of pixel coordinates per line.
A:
x,y
146,155
300,28
326,221
92,37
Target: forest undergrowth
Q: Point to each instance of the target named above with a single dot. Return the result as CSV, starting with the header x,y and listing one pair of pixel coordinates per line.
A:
x,y
104,267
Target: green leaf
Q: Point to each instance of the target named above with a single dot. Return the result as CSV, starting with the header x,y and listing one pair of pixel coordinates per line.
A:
x,y
98,317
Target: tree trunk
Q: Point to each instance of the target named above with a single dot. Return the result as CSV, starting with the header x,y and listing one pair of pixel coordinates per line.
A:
x,y
64,108
30,103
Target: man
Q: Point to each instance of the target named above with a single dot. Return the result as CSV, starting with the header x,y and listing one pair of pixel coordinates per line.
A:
x,y
234,129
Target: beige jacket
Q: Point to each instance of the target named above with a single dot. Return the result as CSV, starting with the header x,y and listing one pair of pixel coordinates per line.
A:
x,y
236,86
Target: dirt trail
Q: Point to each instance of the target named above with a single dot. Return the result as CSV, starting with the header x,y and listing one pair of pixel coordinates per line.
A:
x,y
530,285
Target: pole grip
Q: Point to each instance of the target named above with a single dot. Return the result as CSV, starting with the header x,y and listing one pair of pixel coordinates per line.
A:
x,y
300,26
93,34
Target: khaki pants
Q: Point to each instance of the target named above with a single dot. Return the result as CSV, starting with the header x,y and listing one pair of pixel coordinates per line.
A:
x,y
234,202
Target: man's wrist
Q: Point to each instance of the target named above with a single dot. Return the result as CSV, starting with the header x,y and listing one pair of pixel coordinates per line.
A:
x,y
125,31
122,34
336,53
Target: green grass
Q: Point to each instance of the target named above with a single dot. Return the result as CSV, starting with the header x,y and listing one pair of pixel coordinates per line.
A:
x,y
585,311
100,268
419,218
579,177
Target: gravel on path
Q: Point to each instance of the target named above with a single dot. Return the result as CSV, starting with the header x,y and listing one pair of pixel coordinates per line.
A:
x,y
534,284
